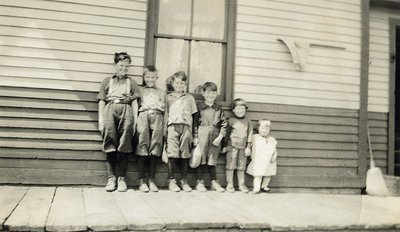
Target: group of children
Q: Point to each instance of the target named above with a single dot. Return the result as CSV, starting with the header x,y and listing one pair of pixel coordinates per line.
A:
x,y
173,124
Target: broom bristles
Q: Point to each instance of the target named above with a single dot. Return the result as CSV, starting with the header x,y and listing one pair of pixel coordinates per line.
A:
x,y
375,183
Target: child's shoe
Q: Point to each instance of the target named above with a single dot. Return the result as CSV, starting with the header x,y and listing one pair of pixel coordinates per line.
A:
x,y
243,188
200,186
230,188
255,191
185,186
173,186
153,187
266,189
122,185
111,184
143,186
216,186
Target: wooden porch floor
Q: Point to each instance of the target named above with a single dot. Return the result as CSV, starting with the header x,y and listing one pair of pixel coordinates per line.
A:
x,y
24,208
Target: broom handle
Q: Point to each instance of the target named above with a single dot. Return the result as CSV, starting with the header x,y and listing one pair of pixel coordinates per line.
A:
x,y
371,158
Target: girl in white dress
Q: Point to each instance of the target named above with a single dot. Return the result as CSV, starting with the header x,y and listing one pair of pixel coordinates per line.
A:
x,y
263,157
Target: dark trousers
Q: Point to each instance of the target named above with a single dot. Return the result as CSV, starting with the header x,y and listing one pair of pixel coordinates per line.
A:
x,y
204,169
147,163
172,162
117,164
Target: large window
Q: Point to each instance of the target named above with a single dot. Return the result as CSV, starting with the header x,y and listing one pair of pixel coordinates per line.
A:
x,y
195,36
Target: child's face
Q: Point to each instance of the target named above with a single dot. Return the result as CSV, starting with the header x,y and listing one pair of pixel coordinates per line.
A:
x,y
264,129
150,78
122,67
210,95
239,111
179,85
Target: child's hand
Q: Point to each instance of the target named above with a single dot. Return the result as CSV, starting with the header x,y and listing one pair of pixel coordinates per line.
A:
x,y
247,152
223,150
217,141
195,141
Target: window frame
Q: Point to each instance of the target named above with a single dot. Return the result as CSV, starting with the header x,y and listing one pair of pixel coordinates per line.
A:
x,y
229,40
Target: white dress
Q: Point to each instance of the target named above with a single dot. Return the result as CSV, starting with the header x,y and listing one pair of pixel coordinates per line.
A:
x,y
263,150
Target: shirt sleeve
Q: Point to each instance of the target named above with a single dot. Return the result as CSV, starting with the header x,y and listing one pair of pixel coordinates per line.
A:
x,y
250,132
135,90
223,123
103,90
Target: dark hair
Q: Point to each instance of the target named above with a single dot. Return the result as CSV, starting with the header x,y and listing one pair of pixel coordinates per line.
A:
x,y
210,85
238,102
121,56
180,74
148,69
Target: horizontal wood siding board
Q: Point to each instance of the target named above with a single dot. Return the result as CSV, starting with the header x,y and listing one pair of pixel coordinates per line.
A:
x,y
303,110
55,134
60,35
297,10
49,104
62,65
51,144
317,171
66,55
73,115
73,27
48,124
72,17
36,153
63,84
58,6
308,119
41,93
69,46
310,153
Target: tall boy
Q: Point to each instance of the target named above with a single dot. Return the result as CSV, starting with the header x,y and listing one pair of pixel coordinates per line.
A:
x,y
179,110
117,120
210,129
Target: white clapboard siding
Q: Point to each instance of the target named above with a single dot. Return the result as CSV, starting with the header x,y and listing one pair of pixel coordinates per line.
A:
x,y
264,68
53,57
379,59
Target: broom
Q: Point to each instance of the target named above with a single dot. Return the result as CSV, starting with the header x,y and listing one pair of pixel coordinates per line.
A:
x,y
375,182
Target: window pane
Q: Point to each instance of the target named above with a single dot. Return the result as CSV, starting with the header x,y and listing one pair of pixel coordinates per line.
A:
x,y
172,56
209,19
174,17
205,64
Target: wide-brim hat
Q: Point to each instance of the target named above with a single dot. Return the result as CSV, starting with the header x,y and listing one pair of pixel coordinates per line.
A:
x,y
194,162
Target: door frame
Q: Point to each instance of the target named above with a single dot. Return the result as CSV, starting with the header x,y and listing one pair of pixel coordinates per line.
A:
x,y
393,24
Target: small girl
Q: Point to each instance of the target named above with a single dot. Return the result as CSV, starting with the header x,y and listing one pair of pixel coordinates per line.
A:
x,y
263,157
150,128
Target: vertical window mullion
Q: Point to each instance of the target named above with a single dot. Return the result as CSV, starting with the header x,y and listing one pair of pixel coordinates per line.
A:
x,y
190,45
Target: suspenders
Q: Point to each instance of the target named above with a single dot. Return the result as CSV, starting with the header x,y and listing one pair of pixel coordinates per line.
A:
x,y
111,90
128,86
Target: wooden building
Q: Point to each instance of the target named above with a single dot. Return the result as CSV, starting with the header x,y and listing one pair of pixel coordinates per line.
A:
x,y
321,70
